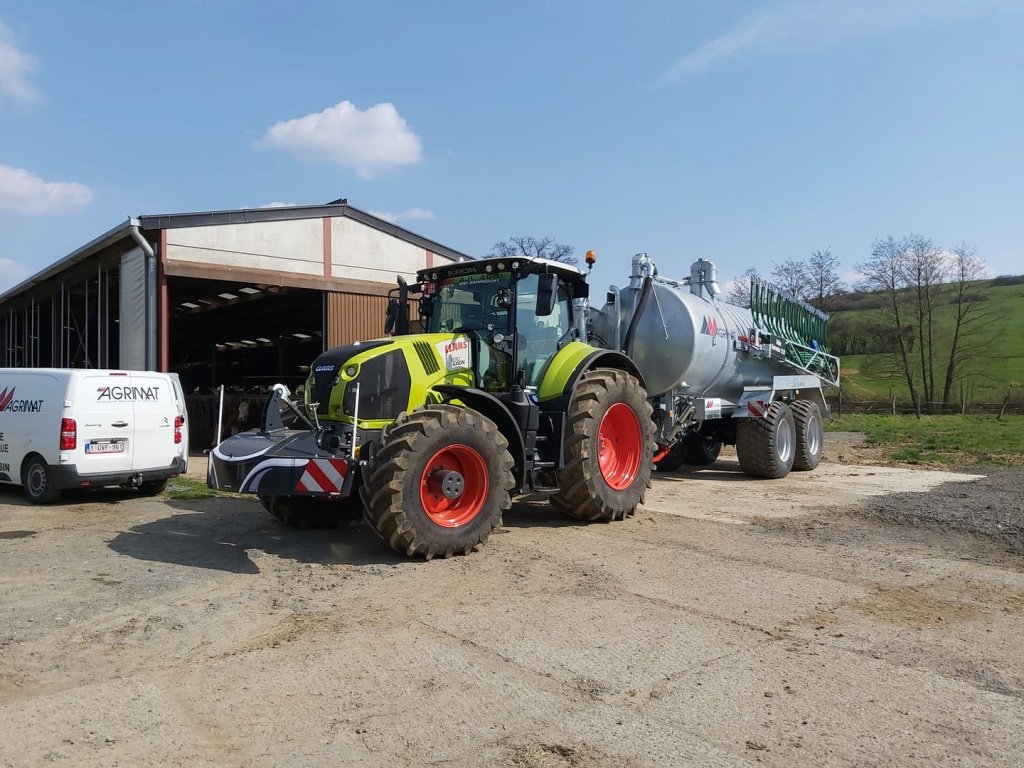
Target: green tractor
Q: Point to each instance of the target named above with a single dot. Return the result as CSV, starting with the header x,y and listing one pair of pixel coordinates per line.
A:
x,y
486,388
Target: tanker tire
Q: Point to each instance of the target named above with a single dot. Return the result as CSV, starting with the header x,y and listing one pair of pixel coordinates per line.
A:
x,y
584,492
766,446
810,435
397,480
308,513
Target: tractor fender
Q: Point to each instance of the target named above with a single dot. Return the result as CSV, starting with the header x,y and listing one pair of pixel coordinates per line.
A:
x,y
495,410
598,358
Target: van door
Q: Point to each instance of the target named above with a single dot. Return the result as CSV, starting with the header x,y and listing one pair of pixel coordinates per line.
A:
x,y
155,412
105,418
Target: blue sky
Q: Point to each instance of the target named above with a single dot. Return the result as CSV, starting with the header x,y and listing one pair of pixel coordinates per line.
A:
x,y
743,132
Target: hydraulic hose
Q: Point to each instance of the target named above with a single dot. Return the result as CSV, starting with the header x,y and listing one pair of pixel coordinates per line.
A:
x,y
641,304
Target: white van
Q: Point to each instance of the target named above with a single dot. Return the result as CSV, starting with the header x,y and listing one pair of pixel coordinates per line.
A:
x,y
70,428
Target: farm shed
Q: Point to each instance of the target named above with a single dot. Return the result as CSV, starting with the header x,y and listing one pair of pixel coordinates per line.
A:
x,y
240,298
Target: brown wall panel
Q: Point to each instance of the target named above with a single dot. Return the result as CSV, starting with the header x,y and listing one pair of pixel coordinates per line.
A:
x,y
354,317
357,317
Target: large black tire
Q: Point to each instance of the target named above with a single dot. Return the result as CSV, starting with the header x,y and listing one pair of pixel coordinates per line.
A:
x,y
37,481
693,449
152,487
309,513
439,482
766,446
810,435
699,451
673,460
609,446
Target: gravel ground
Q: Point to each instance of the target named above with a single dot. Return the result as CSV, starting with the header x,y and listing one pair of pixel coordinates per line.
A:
x,y
731,622
992,506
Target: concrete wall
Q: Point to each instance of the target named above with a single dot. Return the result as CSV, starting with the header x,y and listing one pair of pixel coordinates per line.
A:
x,y
276,246
302,247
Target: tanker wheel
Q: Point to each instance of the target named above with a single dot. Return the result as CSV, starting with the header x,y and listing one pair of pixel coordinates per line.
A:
x,y
766,446
608,448
810,435
308,513
439,483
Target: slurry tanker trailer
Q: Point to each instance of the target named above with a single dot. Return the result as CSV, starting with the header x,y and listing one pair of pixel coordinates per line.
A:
x,y
506,381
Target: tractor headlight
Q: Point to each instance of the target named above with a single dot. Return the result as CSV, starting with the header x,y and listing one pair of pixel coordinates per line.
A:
x,y
351,371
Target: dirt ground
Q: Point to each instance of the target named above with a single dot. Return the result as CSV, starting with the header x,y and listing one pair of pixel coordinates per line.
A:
x,y
855,615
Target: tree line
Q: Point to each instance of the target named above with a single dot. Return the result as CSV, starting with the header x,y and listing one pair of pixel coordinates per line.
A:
x,y
925,322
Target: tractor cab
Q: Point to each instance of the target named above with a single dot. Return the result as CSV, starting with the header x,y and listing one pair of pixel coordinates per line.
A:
x,y
516,313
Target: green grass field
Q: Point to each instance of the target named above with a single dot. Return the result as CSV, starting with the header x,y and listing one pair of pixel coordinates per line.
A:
x,y
999,367
954,440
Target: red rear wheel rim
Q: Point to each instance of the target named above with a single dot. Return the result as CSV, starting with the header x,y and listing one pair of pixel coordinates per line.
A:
x,y
619,446
444,470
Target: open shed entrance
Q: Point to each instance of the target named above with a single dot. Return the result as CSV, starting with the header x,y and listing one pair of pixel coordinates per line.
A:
x,y
245,336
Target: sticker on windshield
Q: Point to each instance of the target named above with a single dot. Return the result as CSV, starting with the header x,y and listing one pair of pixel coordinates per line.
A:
x,y
455,353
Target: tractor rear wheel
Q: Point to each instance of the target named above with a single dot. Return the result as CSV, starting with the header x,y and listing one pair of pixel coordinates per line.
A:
x,y
439,483
810,435
766,446
608,448
309,513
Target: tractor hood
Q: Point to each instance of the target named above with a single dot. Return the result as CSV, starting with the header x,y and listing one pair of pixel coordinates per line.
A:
x,y
393,375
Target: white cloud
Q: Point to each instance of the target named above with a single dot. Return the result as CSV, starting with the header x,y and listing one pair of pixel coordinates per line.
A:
x,y
409,214
368,142
22,191
15,67
807,24
12,272
277,204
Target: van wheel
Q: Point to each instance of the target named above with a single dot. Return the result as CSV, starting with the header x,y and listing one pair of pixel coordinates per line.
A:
x,y
37,482
152,487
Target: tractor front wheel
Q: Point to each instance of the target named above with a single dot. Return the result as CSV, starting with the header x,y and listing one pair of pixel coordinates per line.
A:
x,y
439,483
609,445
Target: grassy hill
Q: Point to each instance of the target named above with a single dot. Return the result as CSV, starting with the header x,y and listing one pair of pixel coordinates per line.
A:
x,y
857,334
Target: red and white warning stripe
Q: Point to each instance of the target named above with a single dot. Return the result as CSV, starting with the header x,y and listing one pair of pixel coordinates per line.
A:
x,y
323,476
757,408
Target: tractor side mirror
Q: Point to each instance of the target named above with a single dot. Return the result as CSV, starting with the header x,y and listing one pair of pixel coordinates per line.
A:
x,y
547,292
391,316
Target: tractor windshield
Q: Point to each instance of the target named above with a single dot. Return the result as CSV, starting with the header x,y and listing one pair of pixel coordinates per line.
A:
x,y
468,303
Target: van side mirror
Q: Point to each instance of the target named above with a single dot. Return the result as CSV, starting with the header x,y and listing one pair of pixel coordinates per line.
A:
x,y
547,292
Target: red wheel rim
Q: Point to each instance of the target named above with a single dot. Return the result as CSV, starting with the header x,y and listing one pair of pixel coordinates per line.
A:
x,y
454,486
619,446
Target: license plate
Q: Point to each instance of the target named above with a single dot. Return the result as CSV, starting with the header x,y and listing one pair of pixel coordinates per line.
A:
x,y
117,447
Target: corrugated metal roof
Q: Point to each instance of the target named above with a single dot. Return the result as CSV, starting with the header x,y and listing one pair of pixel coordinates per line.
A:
x,y
237,216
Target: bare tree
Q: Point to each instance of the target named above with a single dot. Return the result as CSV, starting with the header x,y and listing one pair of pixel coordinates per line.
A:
x,y
969,317
924,269
527,246
824,279
793,278
884,272
739,290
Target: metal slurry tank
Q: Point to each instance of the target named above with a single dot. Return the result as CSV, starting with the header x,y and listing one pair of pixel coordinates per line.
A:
x,y
684,340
